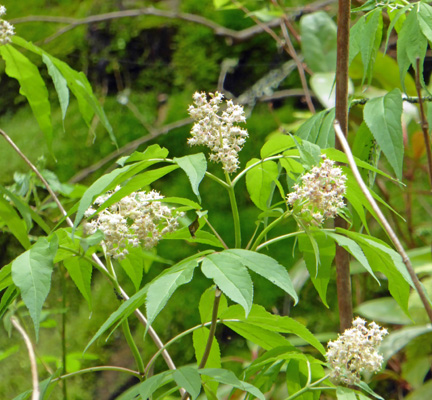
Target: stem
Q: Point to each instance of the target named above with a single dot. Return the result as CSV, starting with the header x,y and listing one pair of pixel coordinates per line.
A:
x,y
96,259
312,386
216,179
268,228
63,327
131,342
32,357
384,222
424,123
101,368
216,233
235,212
343,278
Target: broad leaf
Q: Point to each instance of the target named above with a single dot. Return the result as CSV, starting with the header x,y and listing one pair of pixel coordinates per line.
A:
x,y
195,167
161,288
80,271
31,273
231,277
267,267
260,182
383,117
278,143
32,87
189,379
319,130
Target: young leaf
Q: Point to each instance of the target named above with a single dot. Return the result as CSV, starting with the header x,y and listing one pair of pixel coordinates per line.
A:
x,y
228,378
31,273
383,117
162,288
32,87
267,267
189,379
195,167
278,143
321,277
80,271
259,182
231,277
12,220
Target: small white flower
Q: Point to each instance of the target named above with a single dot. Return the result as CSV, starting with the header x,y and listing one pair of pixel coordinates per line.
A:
x,y
6,29
320,195
218,132
139,218
355,351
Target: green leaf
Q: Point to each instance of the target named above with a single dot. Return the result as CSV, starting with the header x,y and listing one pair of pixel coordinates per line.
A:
x,y
79,86
31,273
297,375
383,117
318,33
355,250
262,337
411,45
231,277
5,276
133,265
321,277
150,385
151,152
343,393
267,267
189,379
319,130
60,84
228,378
275,323
200,236
206,304
195,167
12,220
32,87
80,271
161,288
260,182
384,309
278,143
424,18
310,153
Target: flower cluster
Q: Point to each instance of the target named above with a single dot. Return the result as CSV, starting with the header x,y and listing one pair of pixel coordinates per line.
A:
x,y
320,195
216,129
6,29
137,219
355,351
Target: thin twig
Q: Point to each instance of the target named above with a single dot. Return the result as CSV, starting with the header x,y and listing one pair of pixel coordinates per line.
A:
x,y
383,220
424,123
137,312
32,357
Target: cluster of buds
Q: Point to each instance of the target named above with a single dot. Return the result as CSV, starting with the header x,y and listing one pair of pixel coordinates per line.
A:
x,y
355,351
320,195
139,219
6,29
216,129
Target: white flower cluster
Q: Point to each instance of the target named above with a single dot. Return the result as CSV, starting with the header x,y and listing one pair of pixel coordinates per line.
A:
x,y
217,130
320,196
6,29
355,351
137,219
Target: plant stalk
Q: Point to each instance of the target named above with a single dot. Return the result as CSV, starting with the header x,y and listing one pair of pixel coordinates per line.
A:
x,y
235,212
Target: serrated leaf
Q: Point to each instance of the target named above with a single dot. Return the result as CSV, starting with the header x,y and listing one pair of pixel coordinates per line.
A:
x,y
275,323
80,271
383,117
32,87
320,277
60,84
189,379
161,288
231,277
228,378
31,273
16,225
267,267
355,250
411,44
318,33
259,182
424,18
195,167
205,306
